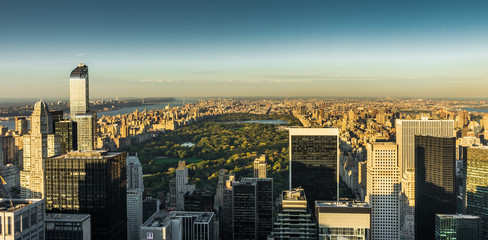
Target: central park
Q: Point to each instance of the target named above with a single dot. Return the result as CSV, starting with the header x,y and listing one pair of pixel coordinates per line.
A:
x,y
229,141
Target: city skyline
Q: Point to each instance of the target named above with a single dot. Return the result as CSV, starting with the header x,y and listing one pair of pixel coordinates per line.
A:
x,y
176,49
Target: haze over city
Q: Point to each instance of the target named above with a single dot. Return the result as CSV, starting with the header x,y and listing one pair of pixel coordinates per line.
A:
x,y
246,48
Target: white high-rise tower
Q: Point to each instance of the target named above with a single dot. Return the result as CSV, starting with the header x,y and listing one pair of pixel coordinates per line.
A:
x,y
39,145
78,91
383,190
135,188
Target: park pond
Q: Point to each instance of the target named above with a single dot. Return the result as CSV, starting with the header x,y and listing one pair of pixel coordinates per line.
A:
x,y
270,121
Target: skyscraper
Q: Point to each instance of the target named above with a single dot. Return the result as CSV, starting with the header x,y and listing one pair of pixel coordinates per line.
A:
x,y
135,189
383,190
86,130
405,139
435,182
39,145
260,167
314,157
294,219
264,201
477,186
79,91
79,108
92,183
21,125
245,208
182,186
457,227
68,135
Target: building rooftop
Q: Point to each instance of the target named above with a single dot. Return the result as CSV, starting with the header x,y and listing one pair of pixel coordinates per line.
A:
x,y
343,204
294,194
89,154
79,72
162,218
12,205
314,131
64,217
458,216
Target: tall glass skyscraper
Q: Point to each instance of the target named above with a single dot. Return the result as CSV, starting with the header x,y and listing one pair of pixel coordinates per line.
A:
x,y
477,185
435,182
78,91
314,157
457,227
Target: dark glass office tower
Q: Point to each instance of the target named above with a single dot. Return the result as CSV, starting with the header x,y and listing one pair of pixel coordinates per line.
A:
x,y
90,183
68,133
313,162
245,209
435,182
457,227
264,205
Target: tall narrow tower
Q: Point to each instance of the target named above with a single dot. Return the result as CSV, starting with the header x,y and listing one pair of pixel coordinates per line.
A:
x,y
39,145
78,91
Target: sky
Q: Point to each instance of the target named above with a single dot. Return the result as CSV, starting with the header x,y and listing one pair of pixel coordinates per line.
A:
x,y
205,48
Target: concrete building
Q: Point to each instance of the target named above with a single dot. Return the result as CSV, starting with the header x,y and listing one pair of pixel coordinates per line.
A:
x,y
39,145
178,225
224,203
22,219
383,190
294,219
457,227
61,226
406,130
86,124
182,186
343,220
260,167
314,159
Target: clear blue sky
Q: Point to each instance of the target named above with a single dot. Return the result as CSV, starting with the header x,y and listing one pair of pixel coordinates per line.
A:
x,y
246,48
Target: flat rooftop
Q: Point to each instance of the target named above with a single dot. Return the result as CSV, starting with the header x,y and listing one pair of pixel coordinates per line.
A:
x,y
65,217
342,204
100,154
314,131
458,216
161,218
295,194
12,205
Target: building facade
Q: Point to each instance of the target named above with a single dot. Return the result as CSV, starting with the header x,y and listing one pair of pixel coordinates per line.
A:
x,y
178,225
383,190
38,146
343,220
260,167
22,219
79,91
435,182
314,159
61,226
477,186
92,183
294,219
406,130
68,135
135,190
457,227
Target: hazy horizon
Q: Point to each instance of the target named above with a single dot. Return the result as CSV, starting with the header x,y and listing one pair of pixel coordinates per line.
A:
x,y
409,49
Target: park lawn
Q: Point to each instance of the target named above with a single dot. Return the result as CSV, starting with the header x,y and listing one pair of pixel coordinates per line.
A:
x,y
160,160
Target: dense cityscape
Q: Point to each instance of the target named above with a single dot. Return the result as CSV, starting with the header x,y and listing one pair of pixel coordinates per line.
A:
x,y
387,168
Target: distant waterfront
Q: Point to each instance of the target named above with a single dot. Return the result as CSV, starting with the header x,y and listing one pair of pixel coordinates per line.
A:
x,y
475,110
177,103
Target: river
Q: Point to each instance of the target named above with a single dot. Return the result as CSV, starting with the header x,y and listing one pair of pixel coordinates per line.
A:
x,y
176,103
